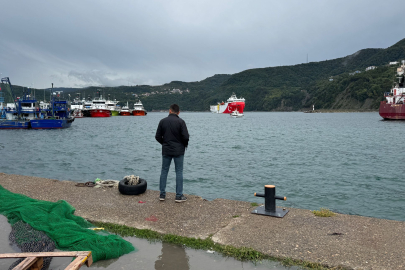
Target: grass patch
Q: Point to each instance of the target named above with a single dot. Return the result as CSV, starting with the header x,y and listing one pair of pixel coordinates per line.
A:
x,y
235,216
323,212
254,204
242,254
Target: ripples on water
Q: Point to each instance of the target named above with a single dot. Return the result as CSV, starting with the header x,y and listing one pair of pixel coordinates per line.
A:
x,y
351,163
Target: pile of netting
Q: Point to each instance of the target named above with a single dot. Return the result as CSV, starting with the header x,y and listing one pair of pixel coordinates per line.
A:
x,y
58,222
28,239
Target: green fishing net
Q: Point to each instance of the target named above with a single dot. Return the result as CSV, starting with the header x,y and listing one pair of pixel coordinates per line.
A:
x,y
57,220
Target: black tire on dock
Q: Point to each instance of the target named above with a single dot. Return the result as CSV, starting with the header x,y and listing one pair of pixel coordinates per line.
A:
x,y
126,189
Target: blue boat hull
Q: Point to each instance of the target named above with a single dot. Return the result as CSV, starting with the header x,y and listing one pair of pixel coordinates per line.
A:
x,y
14,124
51,123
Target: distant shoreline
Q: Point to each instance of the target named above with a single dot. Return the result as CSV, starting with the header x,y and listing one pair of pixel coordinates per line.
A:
x,y
339,111
303,111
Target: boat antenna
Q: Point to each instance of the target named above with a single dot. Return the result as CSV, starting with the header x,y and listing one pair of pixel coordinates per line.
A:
x,y
53,103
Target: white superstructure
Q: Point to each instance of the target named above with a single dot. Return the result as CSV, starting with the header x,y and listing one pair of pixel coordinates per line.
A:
x,y
112,105
138,106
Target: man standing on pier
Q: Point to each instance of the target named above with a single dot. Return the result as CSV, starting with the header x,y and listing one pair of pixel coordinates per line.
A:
x,y
172,134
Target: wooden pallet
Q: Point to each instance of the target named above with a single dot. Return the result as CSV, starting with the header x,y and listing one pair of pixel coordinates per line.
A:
x,y
34,260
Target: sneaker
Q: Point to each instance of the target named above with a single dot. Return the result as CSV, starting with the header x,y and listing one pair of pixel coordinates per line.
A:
x,y
162,197
181,198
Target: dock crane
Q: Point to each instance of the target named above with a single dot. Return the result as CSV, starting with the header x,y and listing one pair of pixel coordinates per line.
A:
x,y
6,81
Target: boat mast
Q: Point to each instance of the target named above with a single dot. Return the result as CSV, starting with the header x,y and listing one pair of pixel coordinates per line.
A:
x,y
53,103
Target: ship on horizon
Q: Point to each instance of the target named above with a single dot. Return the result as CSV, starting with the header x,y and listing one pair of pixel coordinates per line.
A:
x,y
233,103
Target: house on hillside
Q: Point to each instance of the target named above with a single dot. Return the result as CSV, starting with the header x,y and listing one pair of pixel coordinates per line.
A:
x,y
174,91
394,63
356,72
371,68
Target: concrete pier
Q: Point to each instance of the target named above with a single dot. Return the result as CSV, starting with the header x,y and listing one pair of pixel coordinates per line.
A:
x,y
354,242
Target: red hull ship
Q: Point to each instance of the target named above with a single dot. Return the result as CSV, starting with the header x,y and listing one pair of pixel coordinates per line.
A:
x,y
138,113
233,103
393,108
99,108
392,111
124,113
138,109
100,113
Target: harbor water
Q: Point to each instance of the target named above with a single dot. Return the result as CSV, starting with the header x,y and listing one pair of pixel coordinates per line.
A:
x,y
351,163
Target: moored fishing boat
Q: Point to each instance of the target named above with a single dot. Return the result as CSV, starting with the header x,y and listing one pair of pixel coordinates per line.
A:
x,y
233,103
56,117
139,110
393,107
76,106
112,106
99,108
125,110
26,113
87,104
19,113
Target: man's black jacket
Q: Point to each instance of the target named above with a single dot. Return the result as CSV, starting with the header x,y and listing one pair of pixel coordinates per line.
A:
x,y
172,134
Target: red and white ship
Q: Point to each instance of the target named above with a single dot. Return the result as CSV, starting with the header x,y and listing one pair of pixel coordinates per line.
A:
x,y
233,103
99,108
393,108
125,111
139,109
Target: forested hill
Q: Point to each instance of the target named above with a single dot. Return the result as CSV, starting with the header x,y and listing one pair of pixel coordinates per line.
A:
x,y
325,84
331,84
298,87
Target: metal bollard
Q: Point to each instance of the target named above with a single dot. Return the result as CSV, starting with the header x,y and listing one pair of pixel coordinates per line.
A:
x,y
270,198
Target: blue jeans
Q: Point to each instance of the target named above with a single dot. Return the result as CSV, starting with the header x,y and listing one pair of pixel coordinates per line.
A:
x,y
178,165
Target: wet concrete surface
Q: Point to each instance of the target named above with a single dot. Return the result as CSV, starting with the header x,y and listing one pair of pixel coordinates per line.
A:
x,y
149,255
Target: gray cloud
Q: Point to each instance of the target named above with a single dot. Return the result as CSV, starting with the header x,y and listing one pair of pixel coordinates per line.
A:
x,y
81,43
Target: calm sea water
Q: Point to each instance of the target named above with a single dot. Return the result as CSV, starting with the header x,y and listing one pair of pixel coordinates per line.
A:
x,y
352,163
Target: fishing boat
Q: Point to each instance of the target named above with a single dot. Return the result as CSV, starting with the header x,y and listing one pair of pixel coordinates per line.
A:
x,y
19,113
56,117
26,112
87,104
125,110
76,107
139,109
99,108
13,119
393,107
236,114
112,106
233,103
53,115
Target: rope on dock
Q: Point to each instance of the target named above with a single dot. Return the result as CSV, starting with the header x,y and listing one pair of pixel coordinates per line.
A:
x,y
132,180
107,183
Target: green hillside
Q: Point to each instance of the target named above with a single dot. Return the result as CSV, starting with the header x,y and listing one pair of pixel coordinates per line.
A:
x,y
326,84
298,87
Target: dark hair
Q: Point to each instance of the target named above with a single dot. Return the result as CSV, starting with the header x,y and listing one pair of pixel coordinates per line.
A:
x,y
174,108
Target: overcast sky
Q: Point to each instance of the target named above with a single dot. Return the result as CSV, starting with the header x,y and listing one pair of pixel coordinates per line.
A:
x,y
78,43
